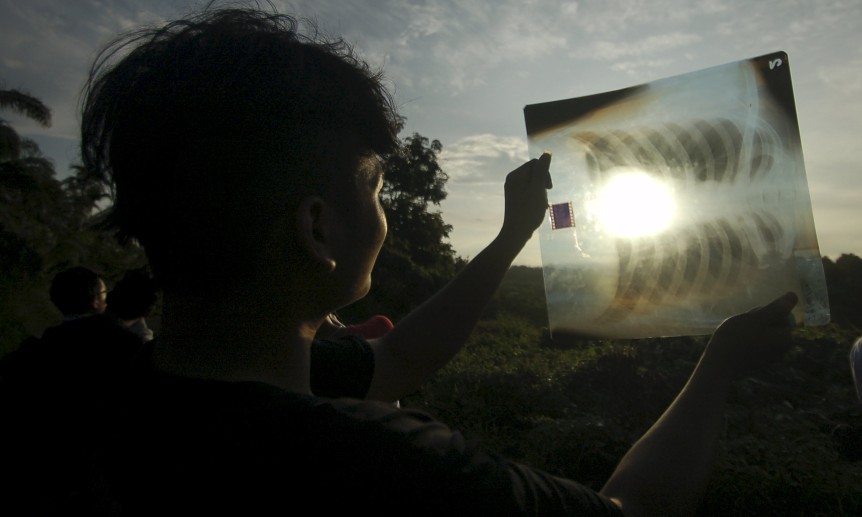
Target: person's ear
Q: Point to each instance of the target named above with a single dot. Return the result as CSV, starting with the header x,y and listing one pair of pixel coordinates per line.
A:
x,y
315,225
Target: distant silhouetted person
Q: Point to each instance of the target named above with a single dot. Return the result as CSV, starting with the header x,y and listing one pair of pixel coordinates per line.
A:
x,y
78,292
80,295
55,394
259,146
132,300
86,346
856,366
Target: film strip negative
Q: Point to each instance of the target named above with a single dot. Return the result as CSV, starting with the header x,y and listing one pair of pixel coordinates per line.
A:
x,y
562,216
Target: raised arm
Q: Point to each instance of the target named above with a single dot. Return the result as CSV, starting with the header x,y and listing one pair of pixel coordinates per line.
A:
x,y
427,338
666,471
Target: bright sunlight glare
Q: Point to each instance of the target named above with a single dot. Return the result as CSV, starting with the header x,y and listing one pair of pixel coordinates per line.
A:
x,y
635,204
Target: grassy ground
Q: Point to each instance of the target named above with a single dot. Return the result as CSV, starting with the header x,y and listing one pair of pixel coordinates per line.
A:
x,y
792,443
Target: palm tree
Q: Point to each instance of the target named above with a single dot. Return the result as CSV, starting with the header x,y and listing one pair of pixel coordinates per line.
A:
x,y
31,212
25,173
31,200
24,170
27,105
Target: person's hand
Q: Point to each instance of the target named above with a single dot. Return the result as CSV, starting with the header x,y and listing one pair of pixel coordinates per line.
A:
x,y
526,198
750,341
331,328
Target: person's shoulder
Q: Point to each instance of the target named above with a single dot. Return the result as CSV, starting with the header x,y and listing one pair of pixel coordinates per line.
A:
x,y
93,328
15,364
93,345
263,407
255,438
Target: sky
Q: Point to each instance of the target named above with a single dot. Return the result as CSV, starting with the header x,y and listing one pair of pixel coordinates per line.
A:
x,y
463,70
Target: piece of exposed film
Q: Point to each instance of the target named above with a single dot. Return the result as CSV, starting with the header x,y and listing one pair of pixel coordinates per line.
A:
x,y
562,216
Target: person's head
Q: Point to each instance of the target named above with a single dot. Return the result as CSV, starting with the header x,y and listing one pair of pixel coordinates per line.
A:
x,y
78,291
220,131
134,296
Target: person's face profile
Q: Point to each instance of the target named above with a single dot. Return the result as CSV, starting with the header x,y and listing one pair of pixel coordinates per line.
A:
x,y
364,224
100,301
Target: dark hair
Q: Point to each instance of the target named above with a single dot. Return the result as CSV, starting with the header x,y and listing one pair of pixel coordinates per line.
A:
x,y
134,296
209,128
72,290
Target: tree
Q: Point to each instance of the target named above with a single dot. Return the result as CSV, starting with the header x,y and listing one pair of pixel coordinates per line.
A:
x,y
84,191
30,198
414,182
29,194
25,104
416,259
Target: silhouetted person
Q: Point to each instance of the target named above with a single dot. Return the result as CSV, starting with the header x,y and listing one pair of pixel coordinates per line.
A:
x,y
132,300
259,145
56,392
856,367
78,292
80,295
71,346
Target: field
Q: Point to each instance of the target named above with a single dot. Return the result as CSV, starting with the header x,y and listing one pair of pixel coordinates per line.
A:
x,y
792,442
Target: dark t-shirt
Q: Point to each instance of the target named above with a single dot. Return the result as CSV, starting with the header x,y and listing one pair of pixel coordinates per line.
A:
x,y
79,350
57,396
134,442
197,446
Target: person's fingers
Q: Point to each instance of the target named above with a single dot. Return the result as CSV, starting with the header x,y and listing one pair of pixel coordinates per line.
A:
x,y
778,309
545,169
522,173
535,170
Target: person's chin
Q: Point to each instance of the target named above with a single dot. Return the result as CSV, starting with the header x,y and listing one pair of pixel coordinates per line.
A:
x,y
361,291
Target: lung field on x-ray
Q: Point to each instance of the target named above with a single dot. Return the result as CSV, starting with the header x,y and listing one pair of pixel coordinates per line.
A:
x,y
731,224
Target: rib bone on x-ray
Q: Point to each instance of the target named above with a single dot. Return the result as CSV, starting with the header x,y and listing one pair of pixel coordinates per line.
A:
x,y
677,203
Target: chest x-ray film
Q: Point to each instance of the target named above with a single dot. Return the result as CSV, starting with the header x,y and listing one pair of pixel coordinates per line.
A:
x,y
676,204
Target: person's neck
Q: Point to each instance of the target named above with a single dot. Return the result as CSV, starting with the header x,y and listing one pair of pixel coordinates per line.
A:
x,y
227,341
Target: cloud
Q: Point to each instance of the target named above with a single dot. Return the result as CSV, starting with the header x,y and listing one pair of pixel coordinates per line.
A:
x,y
623,17
843,76
482,158
53,44
635,67
452,47
651,45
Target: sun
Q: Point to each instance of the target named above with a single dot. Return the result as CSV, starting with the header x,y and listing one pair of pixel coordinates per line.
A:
x,y
635,204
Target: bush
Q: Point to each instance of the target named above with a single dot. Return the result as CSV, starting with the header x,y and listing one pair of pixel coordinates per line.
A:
x,y
792,442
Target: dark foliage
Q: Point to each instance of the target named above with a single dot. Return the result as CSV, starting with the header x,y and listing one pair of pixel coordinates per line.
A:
x,y
25,104
844,280
792,443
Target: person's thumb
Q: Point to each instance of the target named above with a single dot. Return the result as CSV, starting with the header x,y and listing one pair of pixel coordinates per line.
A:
x,y
778,309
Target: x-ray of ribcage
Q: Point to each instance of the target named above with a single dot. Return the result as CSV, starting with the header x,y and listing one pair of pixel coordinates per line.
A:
x,y
685,201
